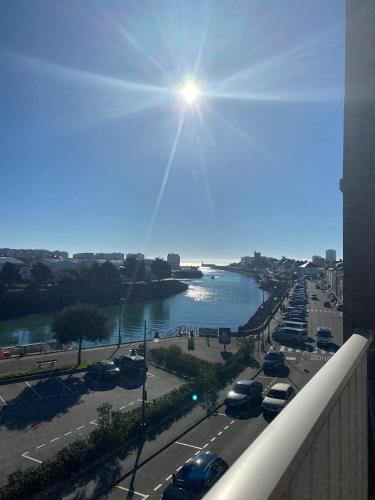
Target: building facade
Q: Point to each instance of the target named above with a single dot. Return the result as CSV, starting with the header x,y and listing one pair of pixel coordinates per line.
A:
x,y
331,256
173,260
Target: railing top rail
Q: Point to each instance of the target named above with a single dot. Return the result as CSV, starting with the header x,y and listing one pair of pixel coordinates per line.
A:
x,y
271,461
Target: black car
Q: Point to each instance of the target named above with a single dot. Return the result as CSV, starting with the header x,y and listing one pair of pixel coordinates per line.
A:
x,y
327,304
103,371
244,393
273,361
196,478
131,365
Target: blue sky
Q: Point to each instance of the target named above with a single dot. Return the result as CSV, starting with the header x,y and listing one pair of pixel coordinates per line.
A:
x,y
100,152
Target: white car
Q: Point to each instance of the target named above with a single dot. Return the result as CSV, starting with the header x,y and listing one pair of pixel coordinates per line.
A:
x,y
324,336
277,398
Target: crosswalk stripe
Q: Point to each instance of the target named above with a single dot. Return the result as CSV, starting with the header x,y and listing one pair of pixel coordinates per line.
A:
x,y
282,348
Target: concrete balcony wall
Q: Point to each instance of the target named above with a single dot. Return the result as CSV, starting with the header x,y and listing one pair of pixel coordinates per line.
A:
x,y
316,448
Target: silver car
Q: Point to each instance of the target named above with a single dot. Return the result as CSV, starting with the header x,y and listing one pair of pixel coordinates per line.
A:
x,y
277,398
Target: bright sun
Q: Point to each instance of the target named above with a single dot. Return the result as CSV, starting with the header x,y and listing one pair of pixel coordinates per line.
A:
x,y
190,92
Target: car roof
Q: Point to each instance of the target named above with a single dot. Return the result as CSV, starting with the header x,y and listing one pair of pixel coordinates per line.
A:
x,y
104,362
280,386
247,382
203,459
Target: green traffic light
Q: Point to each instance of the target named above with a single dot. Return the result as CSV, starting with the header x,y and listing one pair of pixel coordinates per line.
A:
x,y
195,397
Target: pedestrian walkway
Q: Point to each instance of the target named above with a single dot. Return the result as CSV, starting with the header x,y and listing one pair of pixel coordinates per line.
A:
x,y
316,350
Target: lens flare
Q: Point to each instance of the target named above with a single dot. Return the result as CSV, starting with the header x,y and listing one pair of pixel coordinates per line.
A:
x,y
190,92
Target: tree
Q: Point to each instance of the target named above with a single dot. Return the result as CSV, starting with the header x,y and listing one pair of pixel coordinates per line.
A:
x,y
80,322
41,273
161,268
10,274
102,274
134,269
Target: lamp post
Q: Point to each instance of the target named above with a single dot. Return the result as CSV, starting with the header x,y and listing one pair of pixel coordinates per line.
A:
x,y
122,300
270,311
144,392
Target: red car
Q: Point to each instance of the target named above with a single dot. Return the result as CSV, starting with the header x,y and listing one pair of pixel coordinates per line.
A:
x,y
4,354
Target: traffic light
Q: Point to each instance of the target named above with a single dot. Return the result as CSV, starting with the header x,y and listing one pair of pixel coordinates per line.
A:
x,y
194,397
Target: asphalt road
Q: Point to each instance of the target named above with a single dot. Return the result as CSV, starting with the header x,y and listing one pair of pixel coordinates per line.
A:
x,y
229,435
39,417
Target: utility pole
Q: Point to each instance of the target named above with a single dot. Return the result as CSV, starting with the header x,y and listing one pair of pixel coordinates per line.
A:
x,y
144,393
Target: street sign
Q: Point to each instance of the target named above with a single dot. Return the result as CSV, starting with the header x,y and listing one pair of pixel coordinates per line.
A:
x,y
208,332
224,336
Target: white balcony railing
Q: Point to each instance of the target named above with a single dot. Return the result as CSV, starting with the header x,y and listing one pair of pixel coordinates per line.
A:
x,y
316,448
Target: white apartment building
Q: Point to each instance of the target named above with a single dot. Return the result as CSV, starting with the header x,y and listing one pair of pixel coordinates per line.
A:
x,y
173,260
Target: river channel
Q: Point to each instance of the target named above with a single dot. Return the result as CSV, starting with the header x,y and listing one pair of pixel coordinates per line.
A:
x,y
227,300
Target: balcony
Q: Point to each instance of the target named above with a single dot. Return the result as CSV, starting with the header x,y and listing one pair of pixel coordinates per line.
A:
x,y
317,447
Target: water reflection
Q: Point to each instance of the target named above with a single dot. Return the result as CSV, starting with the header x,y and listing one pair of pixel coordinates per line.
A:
x,y
228,300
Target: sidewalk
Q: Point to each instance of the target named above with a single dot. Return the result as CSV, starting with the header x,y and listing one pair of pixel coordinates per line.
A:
x,y
213,353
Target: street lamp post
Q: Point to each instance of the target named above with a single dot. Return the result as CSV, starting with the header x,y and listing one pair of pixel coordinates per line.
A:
x,y
120,322
144,392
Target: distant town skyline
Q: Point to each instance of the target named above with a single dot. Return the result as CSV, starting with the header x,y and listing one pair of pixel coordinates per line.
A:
x,y
213,127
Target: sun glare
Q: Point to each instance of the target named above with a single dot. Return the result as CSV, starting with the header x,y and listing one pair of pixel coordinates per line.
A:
x,y
190,92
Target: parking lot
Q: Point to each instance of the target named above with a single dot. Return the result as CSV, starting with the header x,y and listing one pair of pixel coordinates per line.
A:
x,y
39,417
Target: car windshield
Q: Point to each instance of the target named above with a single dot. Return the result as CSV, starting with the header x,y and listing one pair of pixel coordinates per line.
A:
x,y
324,333
190,477
241,388
107,365
272,355
274,393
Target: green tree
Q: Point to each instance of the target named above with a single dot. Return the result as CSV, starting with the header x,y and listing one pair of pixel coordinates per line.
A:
x,y
161,268
10,274
134,269
108,274
41,273
80,322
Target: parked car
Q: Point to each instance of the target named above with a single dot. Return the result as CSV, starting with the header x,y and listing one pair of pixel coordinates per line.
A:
x,y
244,393
4,353
273,361
195,478
324,336
290,336
340,307
314,297
277,398
103,371
131,366
293,324
327,304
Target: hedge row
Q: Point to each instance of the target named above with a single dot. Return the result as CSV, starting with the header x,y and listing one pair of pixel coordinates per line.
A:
x,y
118,428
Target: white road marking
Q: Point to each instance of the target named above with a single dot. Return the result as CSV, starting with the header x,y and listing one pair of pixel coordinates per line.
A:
x,y
34,391
134,492
282,348
290,358
55,439
222,414
3,400
67,433
220,433
213,439
158,486
40,446
226,427
121,408
150,374
93,422
232,422
205,445
64,385
80,427
132,403
179,468
188,460
26,455
189,445
168,478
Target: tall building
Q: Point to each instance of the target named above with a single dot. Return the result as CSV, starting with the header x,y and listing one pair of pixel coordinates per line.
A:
x,y
173,260
32,254
136,256
331,256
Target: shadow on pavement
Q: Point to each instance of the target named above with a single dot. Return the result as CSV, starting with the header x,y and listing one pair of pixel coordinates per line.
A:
x,y
226,355
246,413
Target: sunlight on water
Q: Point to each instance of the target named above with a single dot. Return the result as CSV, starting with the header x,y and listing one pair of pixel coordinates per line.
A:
x,y
200,294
